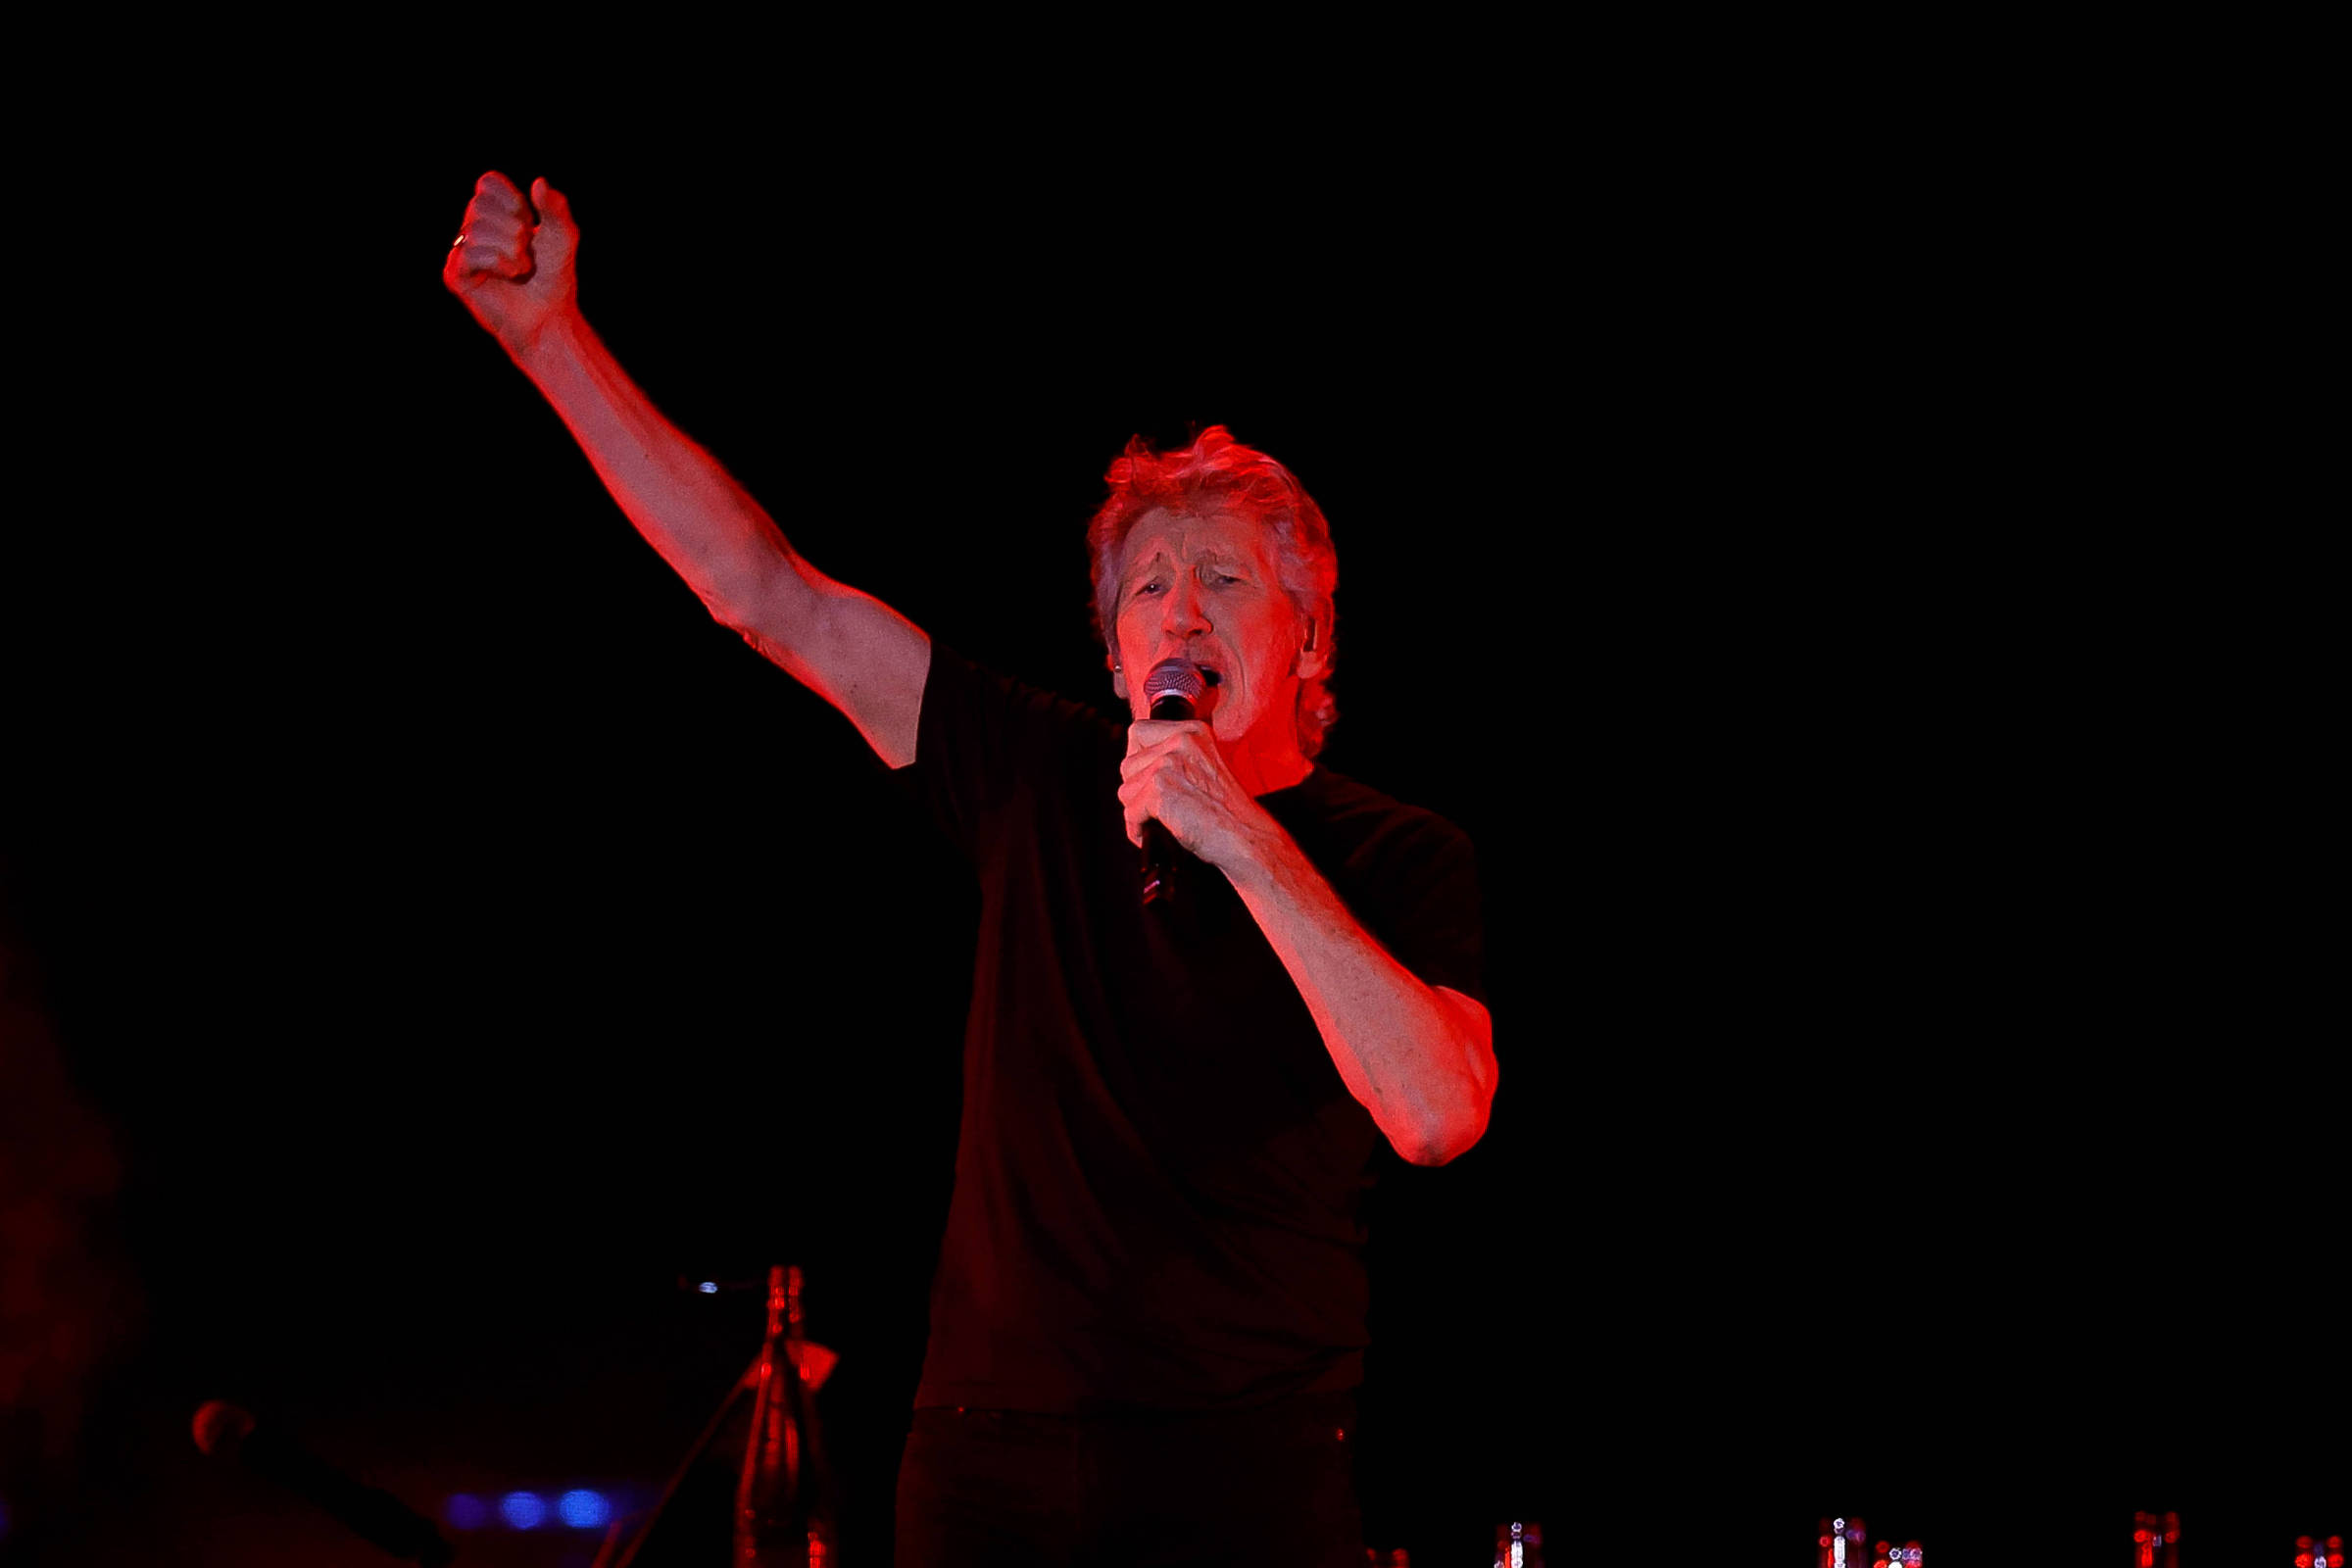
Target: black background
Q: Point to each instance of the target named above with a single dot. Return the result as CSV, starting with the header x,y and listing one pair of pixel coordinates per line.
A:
x,y
456,937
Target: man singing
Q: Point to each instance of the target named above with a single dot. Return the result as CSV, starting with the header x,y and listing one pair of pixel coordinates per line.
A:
x,y
1148,1321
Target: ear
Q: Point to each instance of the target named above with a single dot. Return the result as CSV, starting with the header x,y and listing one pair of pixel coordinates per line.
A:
x,y
1314,656
1118,681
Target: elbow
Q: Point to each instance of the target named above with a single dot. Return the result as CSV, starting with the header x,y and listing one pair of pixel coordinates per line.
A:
x,y
1444,1144
739,607
1428,1156
1438,1151
1454,1127
765,601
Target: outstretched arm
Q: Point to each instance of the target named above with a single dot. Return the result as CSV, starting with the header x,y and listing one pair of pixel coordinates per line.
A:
x,y
513,267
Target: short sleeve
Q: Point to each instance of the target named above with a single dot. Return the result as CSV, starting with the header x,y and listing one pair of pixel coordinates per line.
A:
x,y
1437,927
979,737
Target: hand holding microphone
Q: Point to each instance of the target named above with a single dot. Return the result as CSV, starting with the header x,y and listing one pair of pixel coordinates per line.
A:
x,y
1179,792
1173,690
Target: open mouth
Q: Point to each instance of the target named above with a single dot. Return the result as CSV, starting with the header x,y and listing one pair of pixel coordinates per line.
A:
x,y
1211,677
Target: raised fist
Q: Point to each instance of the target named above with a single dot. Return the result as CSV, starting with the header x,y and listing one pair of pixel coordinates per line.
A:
x,y
512,263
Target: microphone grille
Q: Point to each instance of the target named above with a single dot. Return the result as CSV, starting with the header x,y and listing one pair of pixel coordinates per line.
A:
x,y
221,1427
1178,676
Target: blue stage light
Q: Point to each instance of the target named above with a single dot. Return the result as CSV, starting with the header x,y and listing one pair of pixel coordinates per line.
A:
x,y
585,1509
466,1513
522,1509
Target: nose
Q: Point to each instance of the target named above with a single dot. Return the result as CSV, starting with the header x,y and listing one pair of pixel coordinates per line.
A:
x,y
1181,616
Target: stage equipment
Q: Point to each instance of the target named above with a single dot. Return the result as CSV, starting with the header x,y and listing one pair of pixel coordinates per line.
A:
x,y
2156,1539
1840,1543
1519,1545
225,1431
787,1508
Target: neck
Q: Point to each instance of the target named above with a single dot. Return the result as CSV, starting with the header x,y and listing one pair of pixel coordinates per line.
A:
x,y
1262,764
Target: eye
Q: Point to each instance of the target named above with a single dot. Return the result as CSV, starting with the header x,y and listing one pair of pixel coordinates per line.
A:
x,y
1221,577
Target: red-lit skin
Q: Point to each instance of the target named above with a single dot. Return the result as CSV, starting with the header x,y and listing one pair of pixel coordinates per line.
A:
x,y
1419,1058
515,269
515,272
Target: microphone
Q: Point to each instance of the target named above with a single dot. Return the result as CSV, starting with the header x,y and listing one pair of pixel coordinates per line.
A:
x,y
1173,690
225,1430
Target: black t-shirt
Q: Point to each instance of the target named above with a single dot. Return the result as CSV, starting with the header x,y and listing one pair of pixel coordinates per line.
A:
x,y
1160,1174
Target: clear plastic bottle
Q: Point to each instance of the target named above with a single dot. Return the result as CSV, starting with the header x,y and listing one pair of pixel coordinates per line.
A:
x,y
1519,1544
785,1511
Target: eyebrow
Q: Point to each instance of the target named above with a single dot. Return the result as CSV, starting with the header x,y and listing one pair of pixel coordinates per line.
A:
x,y
1216,555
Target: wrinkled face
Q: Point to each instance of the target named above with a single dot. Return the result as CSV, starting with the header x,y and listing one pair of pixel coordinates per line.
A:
x,y
1208,589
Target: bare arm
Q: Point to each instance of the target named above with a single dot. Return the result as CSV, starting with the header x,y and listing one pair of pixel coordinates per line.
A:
x,y
513,268
1419,1058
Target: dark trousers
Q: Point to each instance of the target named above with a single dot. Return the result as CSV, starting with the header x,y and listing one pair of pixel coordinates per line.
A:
x,y
1277,1486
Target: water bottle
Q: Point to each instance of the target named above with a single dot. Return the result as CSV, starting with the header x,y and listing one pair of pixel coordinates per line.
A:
x,y
785,1512
1519,1545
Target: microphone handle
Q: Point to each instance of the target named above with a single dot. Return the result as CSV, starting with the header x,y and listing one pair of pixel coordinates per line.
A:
x,y
1159,846
1160,862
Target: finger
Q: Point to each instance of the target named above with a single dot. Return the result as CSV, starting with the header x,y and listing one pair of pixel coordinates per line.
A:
x,y
506,240
495,238
1132,800
558,236
472,260
494,192
491,241
470,265
1153,731
1160,747
1136,765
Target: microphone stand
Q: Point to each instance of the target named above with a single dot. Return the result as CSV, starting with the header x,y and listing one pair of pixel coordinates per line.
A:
x,y
774,1375
726,1407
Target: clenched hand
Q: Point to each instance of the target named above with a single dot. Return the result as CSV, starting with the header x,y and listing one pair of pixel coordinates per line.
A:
x,y
1174,773
513,259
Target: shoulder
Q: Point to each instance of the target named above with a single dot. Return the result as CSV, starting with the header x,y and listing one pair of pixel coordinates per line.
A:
x,y
1369,842
1410,874
990,747
1371,820
971,711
